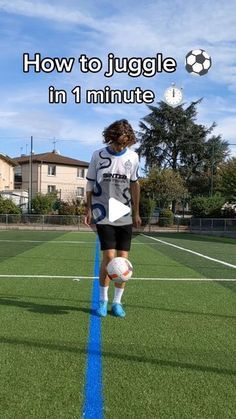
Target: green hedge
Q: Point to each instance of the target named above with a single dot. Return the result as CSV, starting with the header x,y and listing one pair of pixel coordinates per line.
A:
x,y
166,218
207,207
7,206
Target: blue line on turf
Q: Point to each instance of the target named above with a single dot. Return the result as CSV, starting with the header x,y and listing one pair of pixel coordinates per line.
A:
x,y
93,403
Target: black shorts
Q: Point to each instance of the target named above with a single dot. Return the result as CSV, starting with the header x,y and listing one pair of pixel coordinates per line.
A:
x,y
114,237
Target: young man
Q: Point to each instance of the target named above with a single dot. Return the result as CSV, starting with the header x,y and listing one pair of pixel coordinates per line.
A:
x,y
113,173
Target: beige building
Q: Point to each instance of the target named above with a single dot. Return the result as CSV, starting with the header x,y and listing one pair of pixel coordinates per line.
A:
x,y
52,172
6,172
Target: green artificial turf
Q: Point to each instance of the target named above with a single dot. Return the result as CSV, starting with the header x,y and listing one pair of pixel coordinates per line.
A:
x,y
43,339
173,356
44,328
48,255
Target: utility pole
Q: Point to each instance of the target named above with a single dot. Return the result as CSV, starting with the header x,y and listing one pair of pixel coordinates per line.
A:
x,y
212,168
30,176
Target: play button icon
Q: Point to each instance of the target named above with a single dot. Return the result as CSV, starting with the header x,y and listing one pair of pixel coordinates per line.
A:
x,y
117,210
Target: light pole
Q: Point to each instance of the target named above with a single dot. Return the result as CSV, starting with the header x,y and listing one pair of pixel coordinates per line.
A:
x,y
212,168
30,176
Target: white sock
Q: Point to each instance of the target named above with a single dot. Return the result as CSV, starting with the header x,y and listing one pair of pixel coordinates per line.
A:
x,y
118,294
103,293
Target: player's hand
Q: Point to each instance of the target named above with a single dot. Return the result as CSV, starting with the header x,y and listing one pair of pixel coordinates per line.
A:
x,y
137,221
88,217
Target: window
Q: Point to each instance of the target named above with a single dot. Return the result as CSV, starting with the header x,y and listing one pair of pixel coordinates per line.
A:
x,y
51,170
80,192
51,188
80,172
18,170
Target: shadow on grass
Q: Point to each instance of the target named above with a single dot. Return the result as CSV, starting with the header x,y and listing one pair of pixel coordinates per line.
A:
x,y
168,310
36,297
42,308
124,357
56,309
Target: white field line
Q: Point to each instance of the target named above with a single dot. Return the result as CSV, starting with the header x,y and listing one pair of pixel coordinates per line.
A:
x,y
56,241
77,277
191,251
46,241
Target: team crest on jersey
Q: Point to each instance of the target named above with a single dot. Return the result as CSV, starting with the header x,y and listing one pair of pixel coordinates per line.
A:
x,y
128,165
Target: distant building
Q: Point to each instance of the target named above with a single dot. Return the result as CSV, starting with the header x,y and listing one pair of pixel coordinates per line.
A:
x,y
52,172
6,172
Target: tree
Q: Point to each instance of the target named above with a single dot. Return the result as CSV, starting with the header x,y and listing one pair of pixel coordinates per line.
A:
x,y
72,207
227,180
44,204
164,186
7,206
146,209
171,138
203,206
203,180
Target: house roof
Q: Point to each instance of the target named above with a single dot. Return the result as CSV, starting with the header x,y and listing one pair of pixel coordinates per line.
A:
x,y
8,159
53,158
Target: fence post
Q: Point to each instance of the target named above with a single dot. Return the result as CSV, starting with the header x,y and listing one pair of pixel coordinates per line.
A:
x,y
6,220
178,224
78,222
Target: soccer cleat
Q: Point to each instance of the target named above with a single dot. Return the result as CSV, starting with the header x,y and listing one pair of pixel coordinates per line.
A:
x,y
117,310
102,309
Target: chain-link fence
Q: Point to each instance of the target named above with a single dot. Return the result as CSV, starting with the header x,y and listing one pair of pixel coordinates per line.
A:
x,y
40,222
75,222
222,226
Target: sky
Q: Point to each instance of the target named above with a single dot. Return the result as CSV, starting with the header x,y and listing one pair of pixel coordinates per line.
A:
x,y
127,28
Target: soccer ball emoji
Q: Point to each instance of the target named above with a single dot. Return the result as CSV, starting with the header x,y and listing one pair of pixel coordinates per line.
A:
x,y
197,62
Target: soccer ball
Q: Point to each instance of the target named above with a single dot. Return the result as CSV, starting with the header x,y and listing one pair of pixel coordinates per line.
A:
x,y
119,269
197,62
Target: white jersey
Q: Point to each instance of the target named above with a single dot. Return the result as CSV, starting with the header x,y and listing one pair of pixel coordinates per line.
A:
x,y
111,174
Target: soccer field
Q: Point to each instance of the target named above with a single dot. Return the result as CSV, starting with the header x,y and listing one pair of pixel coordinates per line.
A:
x,y
173,356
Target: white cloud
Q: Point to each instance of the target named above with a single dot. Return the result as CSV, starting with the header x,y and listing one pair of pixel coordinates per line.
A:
x,y
128,29
170,27
46,11
226,127
134,111
47,125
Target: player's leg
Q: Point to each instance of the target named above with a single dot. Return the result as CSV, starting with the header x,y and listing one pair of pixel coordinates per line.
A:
x,y
104,282
107,241
108,255
123,240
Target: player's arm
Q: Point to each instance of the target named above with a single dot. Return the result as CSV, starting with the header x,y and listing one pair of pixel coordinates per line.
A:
x,y
135,196
135,192
88,214
91,176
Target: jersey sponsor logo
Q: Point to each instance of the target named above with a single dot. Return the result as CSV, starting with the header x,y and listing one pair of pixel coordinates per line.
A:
x,y
114,176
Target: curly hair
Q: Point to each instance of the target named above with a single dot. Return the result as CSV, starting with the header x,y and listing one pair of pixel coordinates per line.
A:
x,y
118,129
